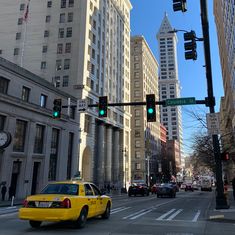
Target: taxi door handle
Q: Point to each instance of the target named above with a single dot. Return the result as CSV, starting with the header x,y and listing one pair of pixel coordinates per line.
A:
x,y
89,199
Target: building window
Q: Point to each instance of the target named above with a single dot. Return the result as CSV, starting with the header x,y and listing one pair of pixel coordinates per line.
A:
x,y
22,6
93,69
137,166
63,4
137,113
57,81
44,49
25,94
70,17
20,134
61,33
49,4
43,101
20,21
3,85
71,3
68,47
94,38
39,138
58,65
53,154
18,36
87,124
70,155
62,18
59,48
2,122
137,154
48,19
66,64
43,65
69,32
16,51
137,122
46,33
65,81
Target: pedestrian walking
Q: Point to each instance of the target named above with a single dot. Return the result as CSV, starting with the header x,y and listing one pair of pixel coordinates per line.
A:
x,y
10,193
3,192
233,184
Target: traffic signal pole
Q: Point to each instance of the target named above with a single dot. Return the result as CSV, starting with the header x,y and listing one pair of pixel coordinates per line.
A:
x,y
221,202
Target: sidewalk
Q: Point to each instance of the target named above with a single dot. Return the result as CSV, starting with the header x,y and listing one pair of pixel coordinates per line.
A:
x,y
7,203
223,215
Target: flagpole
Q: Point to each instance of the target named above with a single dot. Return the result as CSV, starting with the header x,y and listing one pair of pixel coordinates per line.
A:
x,y
25,19
23,46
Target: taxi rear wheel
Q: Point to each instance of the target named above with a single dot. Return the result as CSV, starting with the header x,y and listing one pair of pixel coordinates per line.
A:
x,y
106,214
81,221
35,224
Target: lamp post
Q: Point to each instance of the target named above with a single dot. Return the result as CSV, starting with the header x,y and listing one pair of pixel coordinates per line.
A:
x,y
124,166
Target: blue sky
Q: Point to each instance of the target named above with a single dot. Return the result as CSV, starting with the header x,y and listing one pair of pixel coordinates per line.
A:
x,y
146,18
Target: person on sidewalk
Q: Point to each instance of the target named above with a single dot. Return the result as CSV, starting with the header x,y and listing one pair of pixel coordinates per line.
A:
x,y
3,192
233,184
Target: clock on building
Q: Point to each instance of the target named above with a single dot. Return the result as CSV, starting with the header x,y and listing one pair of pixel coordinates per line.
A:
x,y
5,139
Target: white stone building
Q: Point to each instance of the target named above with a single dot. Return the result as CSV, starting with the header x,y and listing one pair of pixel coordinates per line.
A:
x,y
83,48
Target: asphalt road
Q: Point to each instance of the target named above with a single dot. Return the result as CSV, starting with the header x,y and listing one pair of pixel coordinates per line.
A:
x,y
187,214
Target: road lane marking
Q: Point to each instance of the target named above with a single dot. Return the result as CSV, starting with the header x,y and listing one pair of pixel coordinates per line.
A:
x,y
134,214
116,210
137,216
196,216
174,215
165,215
8,214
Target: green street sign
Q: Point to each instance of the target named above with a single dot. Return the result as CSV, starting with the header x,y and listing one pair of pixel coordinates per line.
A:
x,y
180,101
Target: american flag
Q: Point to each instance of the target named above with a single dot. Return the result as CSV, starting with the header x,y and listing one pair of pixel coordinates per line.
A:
x,y
26,14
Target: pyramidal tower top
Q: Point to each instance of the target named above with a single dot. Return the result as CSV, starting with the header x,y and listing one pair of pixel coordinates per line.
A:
x,y
165,26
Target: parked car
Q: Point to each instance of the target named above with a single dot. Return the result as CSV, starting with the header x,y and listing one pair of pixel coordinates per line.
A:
x,y
138,189
189,187
66,201
166,189
183,186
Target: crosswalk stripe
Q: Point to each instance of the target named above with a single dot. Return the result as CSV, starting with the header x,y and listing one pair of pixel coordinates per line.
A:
x,y
174,215
133,214
196,216
116,210
135,217
165,215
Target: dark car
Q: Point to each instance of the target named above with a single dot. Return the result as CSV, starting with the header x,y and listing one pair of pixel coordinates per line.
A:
x,y
166,190
138,189
189,187
175,185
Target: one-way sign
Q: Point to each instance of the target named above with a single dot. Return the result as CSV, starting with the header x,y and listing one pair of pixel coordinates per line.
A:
x,y
81,105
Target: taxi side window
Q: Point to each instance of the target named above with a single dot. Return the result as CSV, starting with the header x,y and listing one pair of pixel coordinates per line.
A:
x,y
96,190
88,190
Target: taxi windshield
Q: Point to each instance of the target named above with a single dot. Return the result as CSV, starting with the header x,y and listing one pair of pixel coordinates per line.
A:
x,y
69,189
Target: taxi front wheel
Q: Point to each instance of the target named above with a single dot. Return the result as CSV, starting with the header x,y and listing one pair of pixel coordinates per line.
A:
x,y
81,221
35,224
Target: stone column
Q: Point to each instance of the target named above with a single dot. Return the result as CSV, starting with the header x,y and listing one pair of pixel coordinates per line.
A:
x,y
116,151
108,160
100,158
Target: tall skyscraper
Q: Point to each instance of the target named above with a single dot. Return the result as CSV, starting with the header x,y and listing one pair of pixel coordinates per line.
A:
x,y
83,48
169,85
145,136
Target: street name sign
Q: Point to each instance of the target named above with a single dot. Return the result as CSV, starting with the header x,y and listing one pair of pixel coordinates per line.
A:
x,y
82,105
213,126
180,101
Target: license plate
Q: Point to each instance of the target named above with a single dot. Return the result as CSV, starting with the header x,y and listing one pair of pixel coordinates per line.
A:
x,y
44,204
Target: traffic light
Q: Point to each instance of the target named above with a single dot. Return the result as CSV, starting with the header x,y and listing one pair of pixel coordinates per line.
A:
x,y
57,108
190,45
179,5
151,109
103,106
224,156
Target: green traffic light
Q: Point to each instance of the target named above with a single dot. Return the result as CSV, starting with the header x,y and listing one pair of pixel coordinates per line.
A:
x,y
56,114
101,112
150,110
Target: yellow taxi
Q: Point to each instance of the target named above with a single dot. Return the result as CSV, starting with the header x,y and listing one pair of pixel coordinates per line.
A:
x,y
73,200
